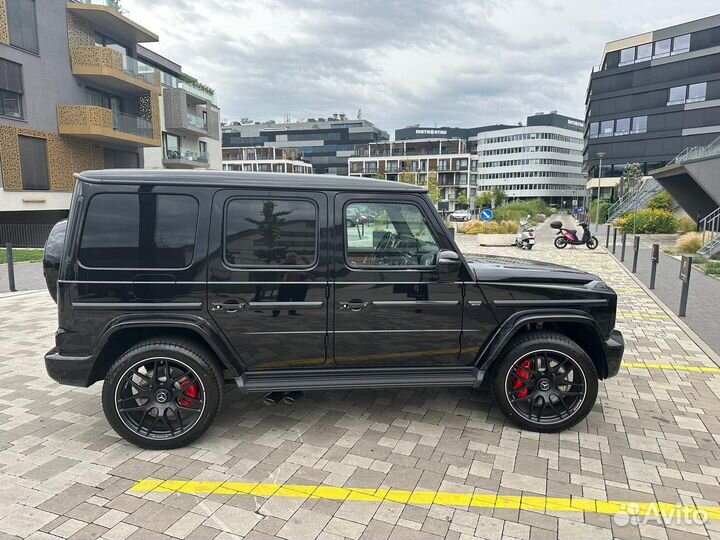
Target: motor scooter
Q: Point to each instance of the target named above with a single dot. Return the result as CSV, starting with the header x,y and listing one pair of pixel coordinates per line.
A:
x,y
525,238
569,236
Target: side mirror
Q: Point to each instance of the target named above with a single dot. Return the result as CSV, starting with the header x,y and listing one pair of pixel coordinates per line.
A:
x,y
446,257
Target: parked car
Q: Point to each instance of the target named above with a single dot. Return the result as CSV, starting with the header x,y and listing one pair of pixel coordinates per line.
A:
x,y
460,215
171,283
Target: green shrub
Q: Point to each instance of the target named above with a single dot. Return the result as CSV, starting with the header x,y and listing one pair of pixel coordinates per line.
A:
x,y
488,227
604,206
712,268
689,242
686,224
648,221
661,201
515,211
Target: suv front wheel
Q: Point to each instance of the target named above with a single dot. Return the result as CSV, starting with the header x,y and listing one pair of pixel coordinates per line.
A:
x,y
162,393
545,382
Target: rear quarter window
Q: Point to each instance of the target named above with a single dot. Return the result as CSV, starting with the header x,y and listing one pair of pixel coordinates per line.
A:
x,y
139,230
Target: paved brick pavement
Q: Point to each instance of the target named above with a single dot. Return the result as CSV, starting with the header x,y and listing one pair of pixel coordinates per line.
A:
x,y
654,436
28,277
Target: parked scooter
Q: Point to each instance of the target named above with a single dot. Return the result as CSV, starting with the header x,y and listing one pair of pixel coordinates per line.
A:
x,y
525,238
569,236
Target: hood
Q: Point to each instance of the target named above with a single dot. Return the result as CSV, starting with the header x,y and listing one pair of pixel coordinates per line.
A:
x,y
509,269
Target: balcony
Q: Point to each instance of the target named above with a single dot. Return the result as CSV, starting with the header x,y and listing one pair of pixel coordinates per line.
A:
x,y
105,17
197,122
196,91
114,69
187,115
182,158
105,125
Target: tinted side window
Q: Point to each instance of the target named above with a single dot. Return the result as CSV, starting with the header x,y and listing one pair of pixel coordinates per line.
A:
x,y
270,233
144,230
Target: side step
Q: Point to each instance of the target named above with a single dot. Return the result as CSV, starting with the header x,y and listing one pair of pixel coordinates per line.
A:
x,y
287,380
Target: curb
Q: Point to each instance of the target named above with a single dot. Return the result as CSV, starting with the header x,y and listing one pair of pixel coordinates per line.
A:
x,y
8,294
677,320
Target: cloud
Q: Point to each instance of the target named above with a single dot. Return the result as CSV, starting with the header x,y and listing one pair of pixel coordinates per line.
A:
x,y
457,62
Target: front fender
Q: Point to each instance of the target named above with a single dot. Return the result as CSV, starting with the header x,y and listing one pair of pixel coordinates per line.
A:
x,y
519,321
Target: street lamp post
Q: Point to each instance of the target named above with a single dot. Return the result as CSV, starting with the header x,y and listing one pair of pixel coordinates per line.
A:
x,y
600,156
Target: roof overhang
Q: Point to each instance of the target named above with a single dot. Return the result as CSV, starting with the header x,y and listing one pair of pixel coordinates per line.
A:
x,y
105,17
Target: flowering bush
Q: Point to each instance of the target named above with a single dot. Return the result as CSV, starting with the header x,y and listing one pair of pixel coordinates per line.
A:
x,y
488,227
648,221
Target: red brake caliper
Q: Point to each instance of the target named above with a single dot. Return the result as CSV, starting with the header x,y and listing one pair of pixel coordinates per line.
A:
x,y
522,375
191,390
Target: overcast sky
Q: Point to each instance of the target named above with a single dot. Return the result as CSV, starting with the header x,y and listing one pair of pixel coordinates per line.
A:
x,y
442,62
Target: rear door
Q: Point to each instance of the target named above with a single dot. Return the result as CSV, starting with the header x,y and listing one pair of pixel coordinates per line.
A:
x,y
391,306
268,276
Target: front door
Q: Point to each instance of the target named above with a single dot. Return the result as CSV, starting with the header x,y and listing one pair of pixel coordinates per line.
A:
x,y
391,307
268,276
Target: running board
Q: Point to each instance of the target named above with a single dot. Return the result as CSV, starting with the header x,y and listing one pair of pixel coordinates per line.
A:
x,y
287,380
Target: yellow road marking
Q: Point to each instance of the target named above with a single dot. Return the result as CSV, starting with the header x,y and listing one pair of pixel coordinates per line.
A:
x,y
477,500
671,367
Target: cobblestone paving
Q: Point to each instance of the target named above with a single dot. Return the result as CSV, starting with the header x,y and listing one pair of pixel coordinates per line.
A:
x,y
653,436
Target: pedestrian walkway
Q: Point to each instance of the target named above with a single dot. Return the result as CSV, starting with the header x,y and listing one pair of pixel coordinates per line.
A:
x,y
28,277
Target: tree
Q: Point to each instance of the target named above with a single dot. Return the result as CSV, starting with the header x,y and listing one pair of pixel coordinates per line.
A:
x,y
270,228
630,177
500,196
461,200
432,186
484,200
407,177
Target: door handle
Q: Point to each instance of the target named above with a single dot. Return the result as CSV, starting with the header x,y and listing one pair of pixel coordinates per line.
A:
x,y
229,306
354,305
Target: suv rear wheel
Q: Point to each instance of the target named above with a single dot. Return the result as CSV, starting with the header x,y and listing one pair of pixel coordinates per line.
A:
x,y
162,393
545,382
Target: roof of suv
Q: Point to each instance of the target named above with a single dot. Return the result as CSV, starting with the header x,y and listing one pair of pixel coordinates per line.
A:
x,y
244,179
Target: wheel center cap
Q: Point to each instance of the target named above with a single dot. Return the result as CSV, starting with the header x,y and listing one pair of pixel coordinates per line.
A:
x,y
162,396
544,385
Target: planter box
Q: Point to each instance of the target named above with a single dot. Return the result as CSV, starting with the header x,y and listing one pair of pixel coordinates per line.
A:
x,y
495,239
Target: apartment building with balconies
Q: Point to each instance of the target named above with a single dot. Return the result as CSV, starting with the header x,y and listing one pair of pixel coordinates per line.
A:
x,y
189,119
265,159
417,160
75,96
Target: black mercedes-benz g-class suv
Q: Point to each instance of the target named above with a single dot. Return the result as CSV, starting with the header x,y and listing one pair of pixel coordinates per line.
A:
x,y
169,283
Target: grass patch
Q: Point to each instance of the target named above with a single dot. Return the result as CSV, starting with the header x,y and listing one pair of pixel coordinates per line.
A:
x,y
22,255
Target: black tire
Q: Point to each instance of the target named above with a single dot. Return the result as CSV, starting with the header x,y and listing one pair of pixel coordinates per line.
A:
x,y
560,242
592,243
562,414
529,246
143,387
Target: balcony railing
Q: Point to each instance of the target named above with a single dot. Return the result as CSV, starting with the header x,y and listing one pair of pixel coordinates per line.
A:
x,y
98,61
197,122
196,91
140,70
134,125
187,155
106,3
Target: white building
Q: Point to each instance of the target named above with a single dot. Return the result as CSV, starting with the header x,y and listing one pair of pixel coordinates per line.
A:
x,y
265,159
529,162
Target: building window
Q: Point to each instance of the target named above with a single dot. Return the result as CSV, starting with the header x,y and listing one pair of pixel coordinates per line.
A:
x,y
662,48
594,130
11,89
607,128
172,146
677,95
293,242
627,56
146,230
203,147
34,163
22,24
622,126
696,92
644,52
639,124
681,44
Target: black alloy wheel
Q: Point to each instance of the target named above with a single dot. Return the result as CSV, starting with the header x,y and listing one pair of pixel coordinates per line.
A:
x,y
545,382
162,394
592,243
560,242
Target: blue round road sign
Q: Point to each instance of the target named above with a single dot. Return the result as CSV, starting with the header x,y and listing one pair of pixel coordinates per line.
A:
x,y
486,215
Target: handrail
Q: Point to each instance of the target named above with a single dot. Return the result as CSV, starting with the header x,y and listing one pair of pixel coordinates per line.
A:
x,y
710,224
695,153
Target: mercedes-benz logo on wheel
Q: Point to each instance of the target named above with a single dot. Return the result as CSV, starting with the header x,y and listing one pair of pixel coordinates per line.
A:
x,y
544,385
162,396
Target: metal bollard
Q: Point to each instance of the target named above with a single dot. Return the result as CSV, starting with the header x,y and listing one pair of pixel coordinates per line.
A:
x,y
636,250
622,250
11,270
614,240
685,268
452,231
607,237
654,259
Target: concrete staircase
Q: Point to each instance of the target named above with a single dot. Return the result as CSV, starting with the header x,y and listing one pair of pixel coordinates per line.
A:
x,y
635,199
709,226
